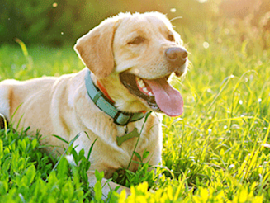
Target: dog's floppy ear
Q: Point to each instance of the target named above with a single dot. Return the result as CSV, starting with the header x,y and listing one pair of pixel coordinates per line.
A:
x,y
95,48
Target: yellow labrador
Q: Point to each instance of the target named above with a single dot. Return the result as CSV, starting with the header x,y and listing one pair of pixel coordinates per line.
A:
x,y
130,58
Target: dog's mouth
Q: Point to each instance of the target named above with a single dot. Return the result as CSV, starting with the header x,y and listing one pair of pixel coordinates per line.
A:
x,y
158,93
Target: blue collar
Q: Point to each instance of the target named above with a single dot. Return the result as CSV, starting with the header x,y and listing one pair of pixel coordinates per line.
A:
x,y
100,100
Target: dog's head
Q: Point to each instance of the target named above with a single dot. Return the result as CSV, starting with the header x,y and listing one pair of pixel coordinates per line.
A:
x,y
133,56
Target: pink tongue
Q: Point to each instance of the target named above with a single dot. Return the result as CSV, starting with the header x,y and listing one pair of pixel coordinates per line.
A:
x,y
168,99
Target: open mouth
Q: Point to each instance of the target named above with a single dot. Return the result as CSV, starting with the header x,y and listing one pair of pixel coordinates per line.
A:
x,y
158,93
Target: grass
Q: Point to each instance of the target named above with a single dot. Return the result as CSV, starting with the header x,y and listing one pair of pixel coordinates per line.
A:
x,y
218,151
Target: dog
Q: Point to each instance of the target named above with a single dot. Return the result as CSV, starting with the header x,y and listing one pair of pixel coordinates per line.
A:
x,y
129,59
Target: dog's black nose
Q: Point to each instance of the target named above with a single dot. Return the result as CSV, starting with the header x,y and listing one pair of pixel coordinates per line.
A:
x,y
176,55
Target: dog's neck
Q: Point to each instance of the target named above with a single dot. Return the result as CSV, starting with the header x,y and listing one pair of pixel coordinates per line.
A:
x,y
123,99
103,90
105,102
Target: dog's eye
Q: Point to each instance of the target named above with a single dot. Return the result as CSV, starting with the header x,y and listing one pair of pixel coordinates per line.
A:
x,y
171,37
137,40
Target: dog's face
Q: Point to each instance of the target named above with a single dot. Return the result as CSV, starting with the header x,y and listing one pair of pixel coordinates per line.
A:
x,y
147,46
133,56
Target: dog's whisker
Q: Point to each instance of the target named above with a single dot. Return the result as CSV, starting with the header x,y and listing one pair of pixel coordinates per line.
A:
x,y
176,18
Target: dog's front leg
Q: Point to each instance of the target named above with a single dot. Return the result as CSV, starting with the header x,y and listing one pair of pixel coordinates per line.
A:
x,y
106,185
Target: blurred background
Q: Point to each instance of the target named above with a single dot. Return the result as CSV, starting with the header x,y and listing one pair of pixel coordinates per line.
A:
x,y
61,22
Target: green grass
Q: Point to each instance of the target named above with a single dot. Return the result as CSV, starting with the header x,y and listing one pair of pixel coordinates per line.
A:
x,y
218,151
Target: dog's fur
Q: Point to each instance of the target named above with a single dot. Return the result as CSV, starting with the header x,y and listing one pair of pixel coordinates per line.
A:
x,y
61,105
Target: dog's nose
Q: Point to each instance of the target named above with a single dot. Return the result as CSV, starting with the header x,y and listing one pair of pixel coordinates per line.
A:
x,y
176,55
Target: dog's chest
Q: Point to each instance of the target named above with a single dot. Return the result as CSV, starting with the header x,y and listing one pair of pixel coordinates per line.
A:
x,y
126,142
125,156
131,144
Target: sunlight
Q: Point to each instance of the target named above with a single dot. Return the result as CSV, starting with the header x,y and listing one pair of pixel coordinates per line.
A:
x,y
202,1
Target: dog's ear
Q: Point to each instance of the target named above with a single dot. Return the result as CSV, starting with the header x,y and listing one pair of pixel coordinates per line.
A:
x,y
95,48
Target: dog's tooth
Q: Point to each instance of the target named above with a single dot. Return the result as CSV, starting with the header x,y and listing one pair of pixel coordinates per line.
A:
x,y
150,94
141,83
145,90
